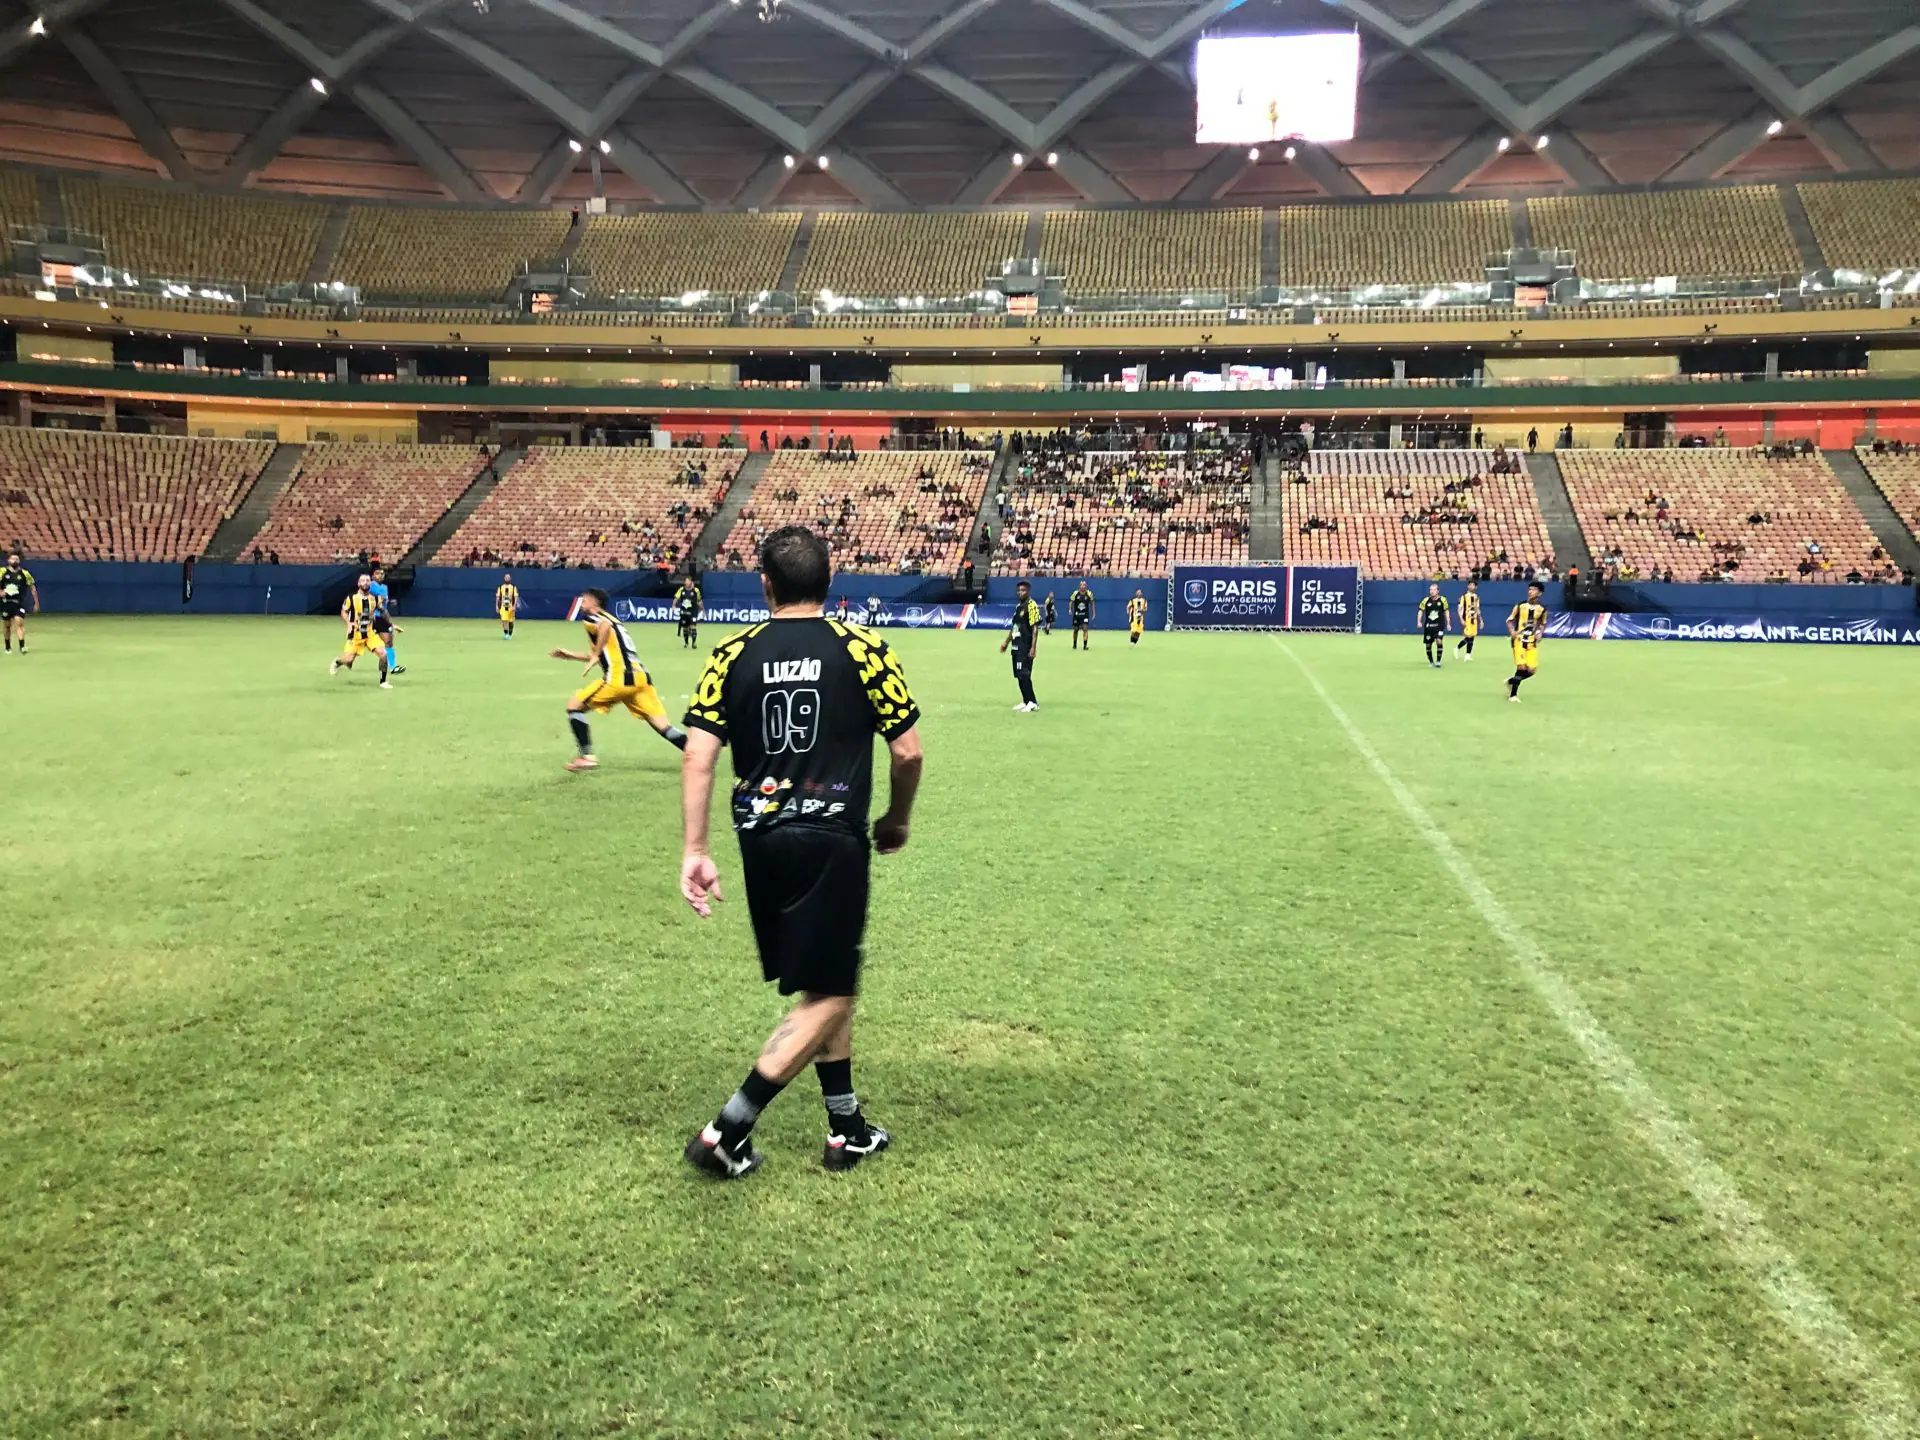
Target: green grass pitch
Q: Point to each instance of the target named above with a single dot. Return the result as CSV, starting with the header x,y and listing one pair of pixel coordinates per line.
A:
x,y
347,1046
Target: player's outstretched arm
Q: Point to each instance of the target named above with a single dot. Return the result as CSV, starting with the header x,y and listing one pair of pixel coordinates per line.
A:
x,y
906,760
699,876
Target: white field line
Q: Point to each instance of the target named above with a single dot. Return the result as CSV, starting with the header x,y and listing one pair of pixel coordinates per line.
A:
x,y
1885,1409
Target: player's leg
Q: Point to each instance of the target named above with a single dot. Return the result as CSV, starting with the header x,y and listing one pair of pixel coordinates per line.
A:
x,y
20,631
645,702
380,655
577,710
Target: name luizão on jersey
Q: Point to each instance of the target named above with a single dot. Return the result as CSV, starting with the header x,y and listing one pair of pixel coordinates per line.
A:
x,y
782,672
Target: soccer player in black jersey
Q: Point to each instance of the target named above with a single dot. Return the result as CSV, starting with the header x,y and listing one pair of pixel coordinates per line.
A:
x,y
1023,638
1080,611
16,586
687,603
1051,614
800,699
1436,618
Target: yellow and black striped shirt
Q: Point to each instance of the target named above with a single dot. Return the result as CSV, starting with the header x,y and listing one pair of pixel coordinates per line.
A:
x,y
1529,622
619,662
359,611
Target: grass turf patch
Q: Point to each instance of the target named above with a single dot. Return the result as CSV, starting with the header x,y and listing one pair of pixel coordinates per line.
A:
x,y
348,1044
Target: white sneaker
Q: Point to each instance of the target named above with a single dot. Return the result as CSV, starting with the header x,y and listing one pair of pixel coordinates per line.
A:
x,y
333,668
386,684
1021,708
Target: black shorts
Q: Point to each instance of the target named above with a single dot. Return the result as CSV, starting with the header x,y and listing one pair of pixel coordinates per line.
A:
x,y
807,896
1432,632
11,610
383,627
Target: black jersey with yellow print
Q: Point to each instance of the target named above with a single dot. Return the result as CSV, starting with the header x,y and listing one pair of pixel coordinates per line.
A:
x,y
361,608
1080,606
799,702
1026,620
16,583
1433,612
1470,611
619,663
1529,622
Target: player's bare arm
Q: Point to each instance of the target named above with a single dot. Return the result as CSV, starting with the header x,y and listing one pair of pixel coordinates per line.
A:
x,y
906,761
699,876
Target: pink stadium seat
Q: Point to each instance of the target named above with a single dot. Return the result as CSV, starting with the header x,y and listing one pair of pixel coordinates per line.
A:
x,y
384,496
80,495
881,512
1112,512
612,507
1394,517
1898,478
1716,514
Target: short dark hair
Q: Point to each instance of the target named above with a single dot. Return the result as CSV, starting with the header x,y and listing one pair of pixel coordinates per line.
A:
x,y
600,598
1023,585
797,567
1539,585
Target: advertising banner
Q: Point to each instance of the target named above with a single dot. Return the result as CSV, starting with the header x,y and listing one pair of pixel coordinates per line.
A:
x,y
1812,630
906,615
1265,597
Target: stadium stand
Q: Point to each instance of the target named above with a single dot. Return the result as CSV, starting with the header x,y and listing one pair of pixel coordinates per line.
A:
x,y
1735,232
1396,244
1718,514
80,495
906,512
19,200
401,250
672,254
378,499
1120,512
1414,514
180,235
1871,225
1112,251
613,507
947,254
1895,472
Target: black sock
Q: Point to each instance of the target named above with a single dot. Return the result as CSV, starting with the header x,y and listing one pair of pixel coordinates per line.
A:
x,y
1513,683
736,1118
836,1091
675,737
582,732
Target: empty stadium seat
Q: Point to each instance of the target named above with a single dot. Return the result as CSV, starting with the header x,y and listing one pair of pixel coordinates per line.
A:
x,y
1871,225
1113,251
1391,243
385,497
79,495
1392,515
673,254
19,200
1692,512
890,255
1897,477
1736,232
181,235
414,250
614,508
1117,512
880,512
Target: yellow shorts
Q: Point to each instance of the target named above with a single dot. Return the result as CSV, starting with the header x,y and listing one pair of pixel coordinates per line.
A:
x,y
368,644
1469,631
642,699
506,617
1526,657
1136,630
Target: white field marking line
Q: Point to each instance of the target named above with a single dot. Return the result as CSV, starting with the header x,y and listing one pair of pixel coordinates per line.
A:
x,y
1885,1409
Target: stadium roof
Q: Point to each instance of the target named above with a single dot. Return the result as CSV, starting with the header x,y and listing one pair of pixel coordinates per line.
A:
x,y
915,103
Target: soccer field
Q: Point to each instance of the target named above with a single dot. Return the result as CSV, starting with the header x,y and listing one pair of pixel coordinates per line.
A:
x,y
347,1047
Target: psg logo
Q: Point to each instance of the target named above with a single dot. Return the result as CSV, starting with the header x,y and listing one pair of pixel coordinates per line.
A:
x,y
1196,594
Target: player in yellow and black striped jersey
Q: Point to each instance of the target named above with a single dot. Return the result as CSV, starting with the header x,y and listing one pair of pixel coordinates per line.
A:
x,y
1527,627
506,601
359,611
622,680
1469,622
1136,617
1436,618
